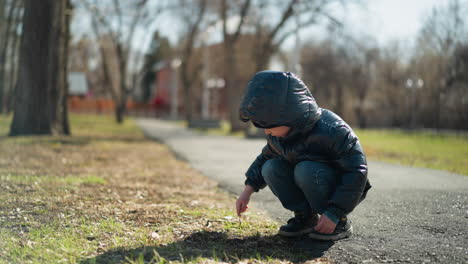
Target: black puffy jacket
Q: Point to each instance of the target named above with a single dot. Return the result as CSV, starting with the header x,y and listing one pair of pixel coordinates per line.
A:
x,y
275,98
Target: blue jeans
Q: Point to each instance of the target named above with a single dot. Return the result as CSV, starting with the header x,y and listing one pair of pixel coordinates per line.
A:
x,y
305,187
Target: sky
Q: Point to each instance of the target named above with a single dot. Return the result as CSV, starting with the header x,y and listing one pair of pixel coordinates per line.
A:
x,y
384,20
388,20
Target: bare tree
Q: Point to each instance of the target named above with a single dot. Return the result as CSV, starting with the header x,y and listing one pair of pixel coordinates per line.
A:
x,y
234,93
325,67
458,87
40,99
189,75
342,72
441,33
271,36
392,74
61,33
361,72
119,26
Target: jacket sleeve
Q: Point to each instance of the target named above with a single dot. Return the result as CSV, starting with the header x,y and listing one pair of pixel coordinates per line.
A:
x,y
349,157
254,173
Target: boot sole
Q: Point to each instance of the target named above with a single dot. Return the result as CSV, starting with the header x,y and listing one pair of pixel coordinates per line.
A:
x,y
343,235
295,234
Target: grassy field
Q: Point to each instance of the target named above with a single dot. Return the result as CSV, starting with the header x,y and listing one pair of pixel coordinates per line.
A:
x,y
427,150
108,195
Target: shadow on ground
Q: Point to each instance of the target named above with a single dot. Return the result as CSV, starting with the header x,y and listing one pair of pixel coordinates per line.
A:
x,y
217,246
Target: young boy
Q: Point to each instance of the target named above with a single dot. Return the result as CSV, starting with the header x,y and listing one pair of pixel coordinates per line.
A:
x,y
312,162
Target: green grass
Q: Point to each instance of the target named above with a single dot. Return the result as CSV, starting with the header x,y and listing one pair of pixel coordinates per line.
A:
x,y
85,125
427,150
64,240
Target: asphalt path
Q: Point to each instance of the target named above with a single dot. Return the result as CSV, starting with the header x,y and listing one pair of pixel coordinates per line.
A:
x,y
411,215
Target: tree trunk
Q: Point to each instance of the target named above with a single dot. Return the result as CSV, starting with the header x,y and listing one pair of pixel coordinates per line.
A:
x,y
39,98
360,115
190,77
7,32
122,102
188,104
339,105
58,69
107,82
362,92
14,65
64,82
2,37
234,92
2,16
119,113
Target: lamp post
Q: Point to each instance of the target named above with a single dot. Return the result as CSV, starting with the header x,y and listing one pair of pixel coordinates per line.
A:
x,y
175,63
216,83
413,84
205,106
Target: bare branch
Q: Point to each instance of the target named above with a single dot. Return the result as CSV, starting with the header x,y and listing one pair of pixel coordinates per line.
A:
x,y
286,15
104,61
224,18
118,10
243,14
312,20
100,18
194,28
136,19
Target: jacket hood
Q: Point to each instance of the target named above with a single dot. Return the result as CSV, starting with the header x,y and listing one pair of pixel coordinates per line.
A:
x,y
275,98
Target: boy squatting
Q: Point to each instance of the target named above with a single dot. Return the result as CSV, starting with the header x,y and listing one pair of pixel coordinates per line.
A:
x,y
313,162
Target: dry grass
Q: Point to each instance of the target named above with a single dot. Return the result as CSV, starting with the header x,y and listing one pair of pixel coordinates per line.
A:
x,y
108,195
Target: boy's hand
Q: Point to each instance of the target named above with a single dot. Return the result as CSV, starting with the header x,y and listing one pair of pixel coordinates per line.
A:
x,y
325,225
241,205
243,200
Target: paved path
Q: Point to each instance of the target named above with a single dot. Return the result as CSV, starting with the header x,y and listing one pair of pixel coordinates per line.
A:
x,y
410,215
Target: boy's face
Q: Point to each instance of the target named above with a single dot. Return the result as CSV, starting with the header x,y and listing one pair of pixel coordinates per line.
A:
x,y
280,131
